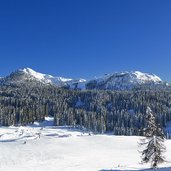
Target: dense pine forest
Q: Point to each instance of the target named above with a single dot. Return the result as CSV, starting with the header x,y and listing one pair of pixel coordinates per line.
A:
x,y
119,112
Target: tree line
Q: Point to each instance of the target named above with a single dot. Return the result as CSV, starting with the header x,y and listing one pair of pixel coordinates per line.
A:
x,y
119,112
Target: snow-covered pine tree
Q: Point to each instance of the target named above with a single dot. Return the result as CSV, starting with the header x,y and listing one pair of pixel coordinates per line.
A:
x,y
154,141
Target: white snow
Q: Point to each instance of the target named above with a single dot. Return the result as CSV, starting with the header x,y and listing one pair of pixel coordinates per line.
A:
x,y
43,147
35,74
126,80
146,77
132,76
118,80
45,78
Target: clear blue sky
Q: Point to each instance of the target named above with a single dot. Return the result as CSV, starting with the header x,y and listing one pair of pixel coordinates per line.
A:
x,y
84,38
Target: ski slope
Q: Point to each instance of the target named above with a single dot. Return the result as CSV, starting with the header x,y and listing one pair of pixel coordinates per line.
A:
x,y
44,147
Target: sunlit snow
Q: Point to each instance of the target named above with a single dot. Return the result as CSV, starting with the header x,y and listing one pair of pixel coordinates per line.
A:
x,y
44,147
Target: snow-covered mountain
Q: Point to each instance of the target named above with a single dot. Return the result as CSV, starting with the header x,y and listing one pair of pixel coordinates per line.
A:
x,y
116,81
28,74
124,80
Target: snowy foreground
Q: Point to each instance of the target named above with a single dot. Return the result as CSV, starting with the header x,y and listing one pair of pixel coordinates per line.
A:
x,y
43,147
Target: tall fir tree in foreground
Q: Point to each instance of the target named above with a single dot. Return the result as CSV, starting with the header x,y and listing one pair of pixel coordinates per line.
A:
x,y
154,141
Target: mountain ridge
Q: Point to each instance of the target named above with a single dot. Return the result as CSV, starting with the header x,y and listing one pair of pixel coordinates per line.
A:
x,y
125,80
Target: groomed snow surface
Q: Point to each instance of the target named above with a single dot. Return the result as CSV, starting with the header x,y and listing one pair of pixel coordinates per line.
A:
x,y
43,147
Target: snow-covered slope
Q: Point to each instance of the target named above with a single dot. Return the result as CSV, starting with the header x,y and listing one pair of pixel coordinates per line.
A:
x,y
116,81
124,80
22,75
43,77
42,147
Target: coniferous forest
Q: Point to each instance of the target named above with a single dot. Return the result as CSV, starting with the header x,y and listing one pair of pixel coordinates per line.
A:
x,y
100,111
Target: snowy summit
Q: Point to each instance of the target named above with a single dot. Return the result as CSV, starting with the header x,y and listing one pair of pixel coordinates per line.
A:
x,y
115,81
21,75
124,80
45,78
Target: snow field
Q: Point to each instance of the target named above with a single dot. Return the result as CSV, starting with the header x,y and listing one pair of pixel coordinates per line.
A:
x,y
43,147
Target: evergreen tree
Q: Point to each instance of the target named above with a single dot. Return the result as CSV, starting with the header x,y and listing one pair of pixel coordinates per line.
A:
x,y
154,142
